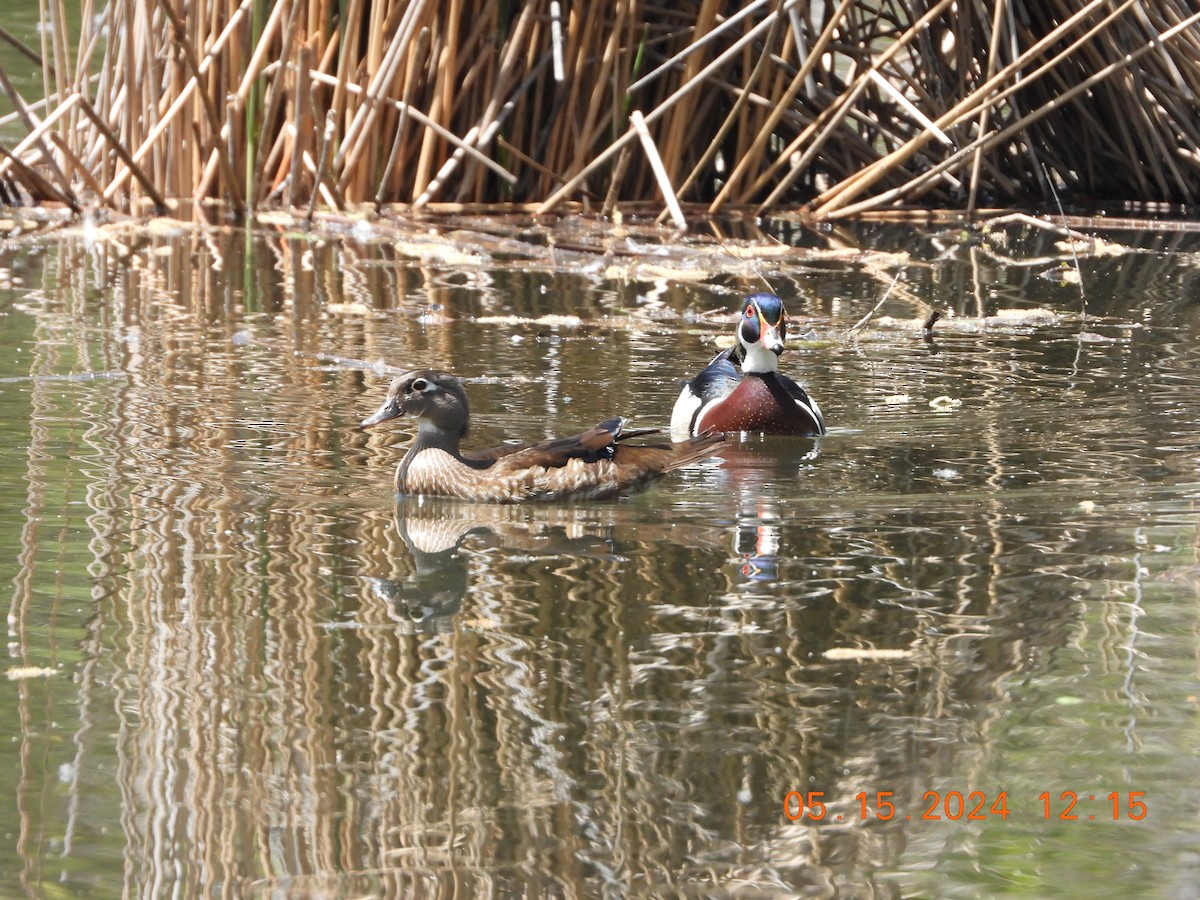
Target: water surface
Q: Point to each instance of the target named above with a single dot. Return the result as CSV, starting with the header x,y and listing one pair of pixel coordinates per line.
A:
x,y
238,666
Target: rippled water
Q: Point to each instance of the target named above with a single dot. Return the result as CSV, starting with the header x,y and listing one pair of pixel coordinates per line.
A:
x,y
238,667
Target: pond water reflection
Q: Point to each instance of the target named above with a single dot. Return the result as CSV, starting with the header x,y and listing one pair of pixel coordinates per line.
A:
x,y
239,666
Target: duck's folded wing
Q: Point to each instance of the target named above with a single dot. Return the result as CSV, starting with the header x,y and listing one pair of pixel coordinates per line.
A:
x,y
804,403
717,379
600,442
491,454
597,443
657,458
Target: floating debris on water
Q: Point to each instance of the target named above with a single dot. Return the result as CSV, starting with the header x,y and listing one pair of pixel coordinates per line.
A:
x,y
865,653
23,673
944,403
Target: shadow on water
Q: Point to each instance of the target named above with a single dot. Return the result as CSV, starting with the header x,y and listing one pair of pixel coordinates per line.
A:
x,y
239,666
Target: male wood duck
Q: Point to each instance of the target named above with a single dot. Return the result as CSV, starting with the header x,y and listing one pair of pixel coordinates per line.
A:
x,y
593,465
758,398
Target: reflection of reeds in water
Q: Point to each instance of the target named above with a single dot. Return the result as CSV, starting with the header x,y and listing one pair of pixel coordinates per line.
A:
x,y
853,105
610,702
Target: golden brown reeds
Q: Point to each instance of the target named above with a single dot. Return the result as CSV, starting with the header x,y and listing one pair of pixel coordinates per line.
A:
x,y
840,107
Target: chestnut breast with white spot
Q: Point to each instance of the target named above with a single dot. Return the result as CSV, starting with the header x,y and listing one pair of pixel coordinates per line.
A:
x,y
758,404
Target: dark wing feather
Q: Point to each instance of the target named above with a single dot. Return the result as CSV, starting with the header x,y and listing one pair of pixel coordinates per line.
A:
x,y
597,443
793,390
718,378
638,432
656,459
593,441
491,454
801,399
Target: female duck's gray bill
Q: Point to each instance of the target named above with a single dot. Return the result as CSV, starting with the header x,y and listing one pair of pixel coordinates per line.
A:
x,y
389,410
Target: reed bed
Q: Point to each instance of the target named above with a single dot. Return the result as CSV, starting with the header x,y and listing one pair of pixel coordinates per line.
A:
x,y
832,109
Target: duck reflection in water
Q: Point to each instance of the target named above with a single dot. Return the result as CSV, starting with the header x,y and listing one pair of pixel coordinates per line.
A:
x,y
426,600
441,536
447,543
758,475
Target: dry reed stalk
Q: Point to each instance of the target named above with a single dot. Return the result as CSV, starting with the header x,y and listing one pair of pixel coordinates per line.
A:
x,y
33,180
504,98
737,47
663,107
127,65
827,202
550,177
210,112
587,88
762,102
714,145
429,123
75,164
275,99
349,45
703,23
319,170
916,185
36,106
302,123
677,126
48,72
754,155
851,94
659,170
38,136
402,117
985,112
24,49
160,203
88,36
990,142
183,96
40,131
476,139
355,139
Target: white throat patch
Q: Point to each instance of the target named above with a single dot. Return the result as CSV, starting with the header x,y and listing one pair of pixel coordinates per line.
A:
x,y
759,359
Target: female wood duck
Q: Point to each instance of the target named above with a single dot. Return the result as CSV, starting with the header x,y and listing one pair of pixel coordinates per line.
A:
x,y
594,465
758,398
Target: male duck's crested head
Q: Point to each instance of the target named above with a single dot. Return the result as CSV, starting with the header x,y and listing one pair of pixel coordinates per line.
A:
x,y
434,398
762,332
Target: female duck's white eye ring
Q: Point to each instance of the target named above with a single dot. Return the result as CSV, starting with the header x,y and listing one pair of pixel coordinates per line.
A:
x,y
419,385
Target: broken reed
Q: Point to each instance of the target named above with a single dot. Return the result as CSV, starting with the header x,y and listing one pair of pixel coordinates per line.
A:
x,y
843,106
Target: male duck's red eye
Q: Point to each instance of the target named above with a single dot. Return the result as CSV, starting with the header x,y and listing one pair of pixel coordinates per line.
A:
x,y
749,312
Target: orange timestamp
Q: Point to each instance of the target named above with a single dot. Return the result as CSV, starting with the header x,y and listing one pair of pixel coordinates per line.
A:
x,y
973,806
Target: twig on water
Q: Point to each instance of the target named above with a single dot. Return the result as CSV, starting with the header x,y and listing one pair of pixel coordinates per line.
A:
x,y
1070,241
862,323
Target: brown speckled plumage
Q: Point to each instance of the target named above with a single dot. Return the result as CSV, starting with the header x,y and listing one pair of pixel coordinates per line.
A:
x,y
590,466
